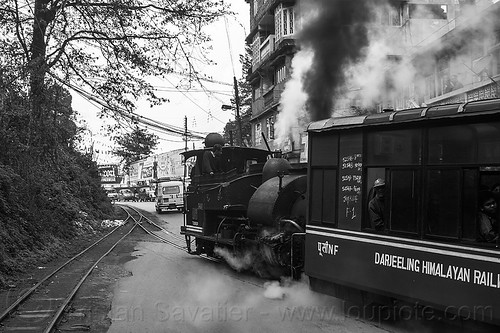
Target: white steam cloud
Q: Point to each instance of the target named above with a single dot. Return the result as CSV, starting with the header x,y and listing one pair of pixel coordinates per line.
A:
x,y
384,71
238,263
292,112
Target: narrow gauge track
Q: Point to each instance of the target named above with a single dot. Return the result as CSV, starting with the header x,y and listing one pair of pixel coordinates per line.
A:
x,y
40,308
179,239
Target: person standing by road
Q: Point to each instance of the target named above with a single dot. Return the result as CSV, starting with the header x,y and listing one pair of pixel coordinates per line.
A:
x,y
376,206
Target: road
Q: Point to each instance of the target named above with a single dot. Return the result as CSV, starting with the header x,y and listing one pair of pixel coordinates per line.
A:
x,y
169,290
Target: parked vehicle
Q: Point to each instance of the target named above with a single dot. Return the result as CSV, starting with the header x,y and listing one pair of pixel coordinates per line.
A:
x,y
126,195
169,196
112,194
142,195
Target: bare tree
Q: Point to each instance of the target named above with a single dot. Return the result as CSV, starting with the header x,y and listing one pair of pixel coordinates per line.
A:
x,y
109,46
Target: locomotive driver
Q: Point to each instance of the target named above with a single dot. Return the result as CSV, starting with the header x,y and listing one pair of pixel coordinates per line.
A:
x,y
376,205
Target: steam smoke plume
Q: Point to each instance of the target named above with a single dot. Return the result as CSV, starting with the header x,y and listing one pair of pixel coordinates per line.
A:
x,y
337,36
344,56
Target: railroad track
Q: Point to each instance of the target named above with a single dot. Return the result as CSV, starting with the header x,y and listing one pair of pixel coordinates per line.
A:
x,y
40,308
178,241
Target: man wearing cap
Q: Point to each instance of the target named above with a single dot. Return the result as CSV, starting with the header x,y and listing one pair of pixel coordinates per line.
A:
x,y
211,160
376,205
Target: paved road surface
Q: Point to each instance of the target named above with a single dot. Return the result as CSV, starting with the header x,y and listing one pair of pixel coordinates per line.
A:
x,y
171,291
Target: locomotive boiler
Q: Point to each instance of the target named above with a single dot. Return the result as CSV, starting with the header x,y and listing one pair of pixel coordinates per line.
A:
x,y
251,211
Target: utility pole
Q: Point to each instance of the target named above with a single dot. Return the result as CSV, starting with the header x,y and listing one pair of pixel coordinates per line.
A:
x,y
238,118
185,135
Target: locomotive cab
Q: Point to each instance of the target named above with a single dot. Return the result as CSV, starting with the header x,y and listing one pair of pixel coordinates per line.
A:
x,y
217,203
245,207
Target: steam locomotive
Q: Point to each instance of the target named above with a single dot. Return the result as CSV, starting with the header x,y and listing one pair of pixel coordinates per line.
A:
x,y
254,209
434,160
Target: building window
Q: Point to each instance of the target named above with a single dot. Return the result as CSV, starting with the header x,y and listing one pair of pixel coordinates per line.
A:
x,y
258,136
255,49
270,128
428,11
284,18
257,93
443,76
430,86
390,16
280,74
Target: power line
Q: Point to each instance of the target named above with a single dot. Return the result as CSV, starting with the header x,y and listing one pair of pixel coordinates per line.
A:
x,y
169,129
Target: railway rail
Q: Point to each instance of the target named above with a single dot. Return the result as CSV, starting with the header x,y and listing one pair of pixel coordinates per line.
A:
x,y
41,308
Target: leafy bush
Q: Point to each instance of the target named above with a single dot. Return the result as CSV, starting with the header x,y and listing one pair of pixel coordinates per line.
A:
x,y
49,191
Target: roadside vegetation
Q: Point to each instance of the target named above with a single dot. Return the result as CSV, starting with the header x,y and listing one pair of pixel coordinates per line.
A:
x,y
49,189
50,192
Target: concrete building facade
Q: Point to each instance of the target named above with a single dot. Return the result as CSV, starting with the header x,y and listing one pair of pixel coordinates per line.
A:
x,y
426,45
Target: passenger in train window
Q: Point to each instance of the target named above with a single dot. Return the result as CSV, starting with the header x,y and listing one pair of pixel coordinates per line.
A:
x,y
496,188
487,222
376,205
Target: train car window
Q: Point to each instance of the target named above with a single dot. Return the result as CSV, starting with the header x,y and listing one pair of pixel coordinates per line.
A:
x,y
322,196
469,204
403,194
372,174
443,203
401,147
488,149
324,150
452,145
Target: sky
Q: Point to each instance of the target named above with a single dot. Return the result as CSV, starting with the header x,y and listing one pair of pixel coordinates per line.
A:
x,y
201,107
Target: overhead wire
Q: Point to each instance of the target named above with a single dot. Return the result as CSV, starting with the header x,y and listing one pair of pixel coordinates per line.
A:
x,y
134,117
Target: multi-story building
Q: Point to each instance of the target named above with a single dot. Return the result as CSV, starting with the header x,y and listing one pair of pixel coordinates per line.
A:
x,y
439,40
272,27
467,67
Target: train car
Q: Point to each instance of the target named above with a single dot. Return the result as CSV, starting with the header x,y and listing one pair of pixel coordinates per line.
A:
x,y
255,205
435,161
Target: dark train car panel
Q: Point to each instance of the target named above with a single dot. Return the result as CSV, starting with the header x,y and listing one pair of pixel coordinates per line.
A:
x,y
350,182
456,279
434,161
323,161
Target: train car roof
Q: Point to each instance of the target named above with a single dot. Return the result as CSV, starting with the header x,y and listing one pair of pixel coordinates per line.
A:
x,y
490,106
245,150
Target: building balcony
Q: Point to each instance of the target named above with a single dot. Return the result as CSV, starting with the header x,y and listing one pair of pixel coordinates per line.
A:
x,y
257,107
266,102
272,97
262,15
263,19
265,50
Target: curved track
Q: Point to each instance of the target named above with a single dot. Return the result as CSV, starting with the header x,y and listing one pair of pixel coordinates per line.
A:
x,y
179,239
40,308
